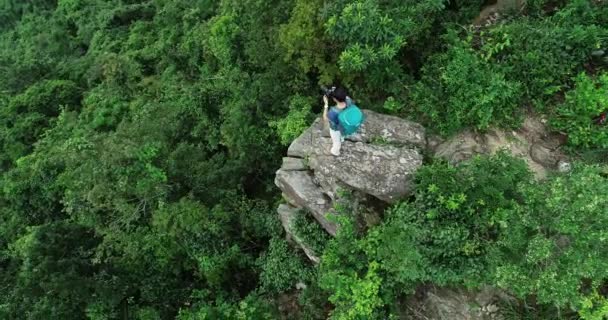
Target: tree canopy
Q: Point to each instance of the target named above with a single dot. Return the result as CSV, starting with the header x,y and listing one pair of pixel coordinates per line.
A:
x,y
139,141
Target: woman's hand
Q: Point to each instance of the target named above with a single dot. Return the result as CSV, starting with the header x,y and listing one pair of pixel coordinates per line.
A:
x,y
325,101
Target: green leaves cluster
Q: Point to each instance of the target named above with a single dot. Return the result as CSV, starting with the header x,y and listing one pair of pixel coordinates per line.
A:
x,y
546,54
375,32
483,223
579,115
559,231
461,89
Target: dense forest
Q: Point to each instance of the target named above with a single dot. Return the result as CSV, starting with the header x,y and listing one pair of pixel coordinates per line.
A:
x,y
139,141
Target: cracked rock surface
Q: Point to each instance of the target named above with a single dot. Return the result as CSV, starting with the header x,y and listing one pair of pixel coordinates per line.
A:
x,y
380,160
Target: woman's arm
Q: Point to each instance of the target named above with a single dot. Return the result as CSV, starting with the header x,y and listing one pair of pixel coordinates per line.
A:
x,y
325,109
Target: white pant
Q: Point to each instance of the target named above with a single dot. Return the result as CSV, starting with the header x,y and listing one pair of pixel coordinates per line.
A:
x,y
336,141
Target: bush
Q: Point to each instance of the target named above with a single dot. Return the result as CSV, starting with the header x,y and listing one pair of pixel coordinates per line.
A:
x,y
584,103
309,230
460,89
552,244
281,268
453,221
349,273
296,121
543,54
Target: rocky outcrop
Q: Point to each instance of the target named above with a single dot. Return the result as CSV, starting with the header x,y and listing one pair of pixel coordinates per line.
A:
x,y
287,214
532,142
385,172
379,160
490,13
457,304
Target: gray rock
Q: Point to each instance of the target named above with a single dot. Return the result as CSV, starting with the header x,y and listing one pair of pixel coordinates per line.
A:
x,y
300,188
460,304
485,296
391,129
304,144
289,200
433,141
287,214
385,172
564,166
543,155
531,142
311,177
293,164
492,308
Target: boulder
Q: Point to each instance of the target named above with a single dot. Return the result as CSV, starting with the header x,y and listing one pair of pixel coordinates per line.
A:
x,y
293,164
383,171
287,214
379,160
531,142
436,303
376,128
303,145
300,189
391,130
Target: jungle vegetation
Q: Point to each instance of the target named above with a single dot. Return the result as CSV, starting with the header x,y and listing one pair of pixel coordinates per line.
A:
x,y
139,140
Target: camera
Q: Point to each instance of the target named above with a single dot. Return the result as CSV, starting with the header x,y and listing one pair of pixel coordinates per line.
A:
x,y
327,91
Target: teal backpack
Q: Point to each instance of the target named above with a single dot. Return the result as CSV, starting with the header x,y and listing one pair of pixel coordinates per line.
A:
x,y
350,119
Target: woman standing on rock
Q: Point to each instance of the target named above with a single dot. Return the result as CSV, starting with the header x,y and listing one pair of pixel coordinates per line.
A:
x,y
344,118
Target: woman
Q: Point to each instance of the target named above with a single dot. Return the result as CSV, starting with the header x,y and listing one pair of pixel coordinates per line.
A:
x,y
342,101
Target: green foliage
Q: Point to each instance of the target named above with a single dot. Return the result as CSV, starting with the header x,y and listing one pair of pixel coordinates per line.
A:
x,y
376,32
544,54
26,116
551,245
296,121
584,103
281,268
594,307
313,302
138,143
251,307
453,221
460,89
302,39
312,234
56,258
391,105
350,277
484,222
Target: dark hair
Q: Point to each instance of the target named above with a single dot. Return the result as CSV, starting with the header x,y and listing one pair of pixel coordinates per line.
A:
x,y
340,94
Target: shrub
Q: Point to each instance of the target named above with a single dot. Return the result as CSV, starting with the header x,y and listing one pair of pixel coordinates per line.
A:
x,y
281,268
552,245
543,54
296,121
351,276
309,230
575,116
460,89
453,221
